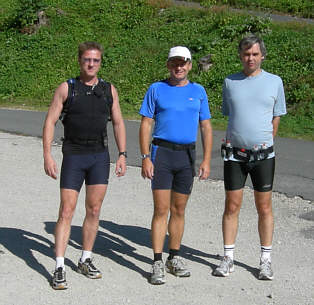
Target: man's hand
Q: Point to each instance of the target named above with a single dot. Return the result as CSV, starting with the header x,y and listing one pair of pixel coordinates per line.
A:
x,y
121,166
147,169
50,167
204,171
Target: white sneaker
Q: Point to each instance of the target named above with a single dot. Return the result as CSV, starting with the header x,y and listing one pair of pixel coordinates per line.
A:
x,y
225,268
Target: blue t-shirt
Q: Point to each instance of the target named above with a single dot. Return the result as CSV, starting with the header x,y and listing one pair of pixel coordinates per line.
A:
x,y
176,110
251,102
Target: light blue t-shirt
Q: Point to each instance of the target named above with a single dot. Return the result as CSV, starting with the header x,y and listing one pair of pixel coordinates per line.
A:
x,y
251,102
176,110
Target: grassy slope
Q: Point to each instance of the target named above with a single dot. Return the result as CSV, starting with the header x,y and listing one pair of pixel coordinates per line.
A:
x,y
136,38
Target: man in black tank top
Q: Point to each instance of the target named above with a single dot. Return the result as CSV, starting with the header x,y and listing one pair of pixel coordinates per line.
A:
x,y
85,154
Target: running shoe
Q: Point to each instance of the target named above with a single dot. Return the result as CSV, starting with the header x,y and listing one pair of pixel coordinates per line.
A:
x,y
88,269
265,273
177,266
58,279
158,273
225,268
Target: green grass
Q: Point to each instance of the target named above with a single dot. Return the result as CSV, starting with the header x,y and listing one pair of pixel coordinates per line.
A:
x,y
137,37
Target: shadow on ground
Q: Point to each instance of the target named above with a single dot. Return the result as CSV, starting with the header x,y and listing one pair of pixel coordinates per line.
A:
x,y
109,243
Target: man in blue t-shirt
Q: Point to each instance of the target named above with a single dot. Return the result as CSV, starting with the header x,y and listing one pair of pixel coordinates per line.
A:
x,y
177,106
253,100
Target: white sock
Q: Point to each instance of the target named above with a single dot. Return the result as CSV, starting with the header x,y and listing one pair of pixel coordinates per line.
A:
x,y
60,262
266,252
228,251
86,255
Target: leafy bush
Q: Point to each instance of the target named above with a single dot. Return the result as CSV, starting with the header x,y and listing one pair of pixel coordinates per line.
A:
x,y
136,36
24,15
303,8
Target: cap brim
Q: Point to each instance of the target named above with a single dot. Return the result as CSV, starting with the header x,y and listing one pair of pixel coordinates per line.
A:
x,y
179,57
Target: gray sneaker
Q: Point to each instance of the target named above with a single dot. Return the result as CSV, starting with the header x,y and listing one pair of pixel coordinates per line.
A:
x,y
88,269
225,268
265,273
177,266
158,273
58,279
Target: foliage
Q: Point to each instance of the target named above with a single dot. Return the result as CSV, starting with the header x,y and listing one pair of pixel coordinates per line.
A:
x,y
302,8
24,15
136,36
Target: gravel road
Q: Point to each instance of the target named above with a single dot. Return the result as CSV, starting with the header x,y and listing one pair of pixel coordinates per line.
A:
x,y
29,204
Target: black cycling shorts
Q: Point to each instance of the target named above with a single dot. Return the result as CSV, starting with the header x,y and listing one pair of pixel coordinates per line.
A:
x,y
172,170
93,168
261,173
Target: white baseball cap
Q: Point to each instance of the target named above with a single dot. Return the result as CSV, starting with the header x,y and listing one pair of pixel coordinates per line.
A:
x,y
180,52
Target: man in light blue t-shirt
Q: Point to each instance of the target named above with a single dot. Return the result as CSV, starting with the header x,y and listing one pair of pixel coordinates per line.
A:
x,y
253,100
178,107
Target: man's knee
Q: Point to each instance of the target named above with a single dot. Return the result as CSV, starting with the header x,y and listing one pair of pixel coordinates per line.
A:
x,y
161,211
264,209
233,203
263,203
93,208
178,208
231,209
66,212
177,211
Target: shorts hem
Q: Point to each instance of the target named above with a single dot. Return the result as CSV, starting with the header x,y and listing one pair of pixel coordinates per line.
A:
x,y
70,188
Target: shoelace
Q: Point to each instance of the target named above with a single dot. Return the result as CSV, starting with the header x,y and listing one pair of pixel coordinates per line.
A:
x,y
59,274
225,263
157,267
90,264
265,266
178,262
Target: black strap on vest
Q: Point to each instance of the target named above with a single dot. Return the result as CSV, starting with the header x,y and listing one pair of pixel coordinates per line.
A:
x,y
106,87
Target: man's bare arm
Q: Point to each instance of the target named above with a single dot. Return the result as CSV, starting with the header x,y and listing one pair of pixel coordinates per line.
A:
x,y
52,117
119,132
276,121
145,138
207,141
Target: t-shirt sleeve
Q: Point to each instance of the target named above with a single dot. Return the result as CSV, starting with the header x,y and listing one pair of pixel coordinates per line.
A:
x,y
224,108
149,103
280,102
204,111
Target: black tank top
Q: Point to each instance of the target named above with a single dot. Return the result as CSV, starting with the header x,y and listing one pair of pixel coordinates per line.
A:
x,y
85,126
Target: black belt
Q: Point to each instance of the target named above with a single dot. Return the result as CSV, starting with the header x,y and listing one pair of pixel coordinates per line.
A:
x,y
173,146
80,141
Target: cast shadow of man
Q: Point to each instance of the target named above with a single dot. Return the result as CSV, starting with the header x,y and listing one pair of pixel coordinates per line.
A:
x,y
22,244
116,249
142,237
107,245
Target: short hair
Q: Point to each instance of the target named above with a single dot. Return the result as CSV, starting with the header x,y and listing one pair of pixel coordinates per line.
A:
x,y
248,41
89,45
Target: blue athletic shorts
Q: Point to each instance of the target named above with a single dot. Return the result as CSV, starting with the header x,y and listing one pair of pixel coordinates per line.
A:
x,y
93,168
172,170
261,173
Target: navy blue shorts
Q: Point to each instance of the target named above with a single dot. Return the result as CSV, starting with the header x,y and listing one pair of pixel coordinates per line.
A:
x,y
172,170
93,168
261,173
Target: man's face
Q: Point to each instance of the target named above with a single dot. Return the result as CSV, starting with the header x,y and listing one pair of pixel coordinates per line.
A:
x,y
252,59
90,62
179,68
